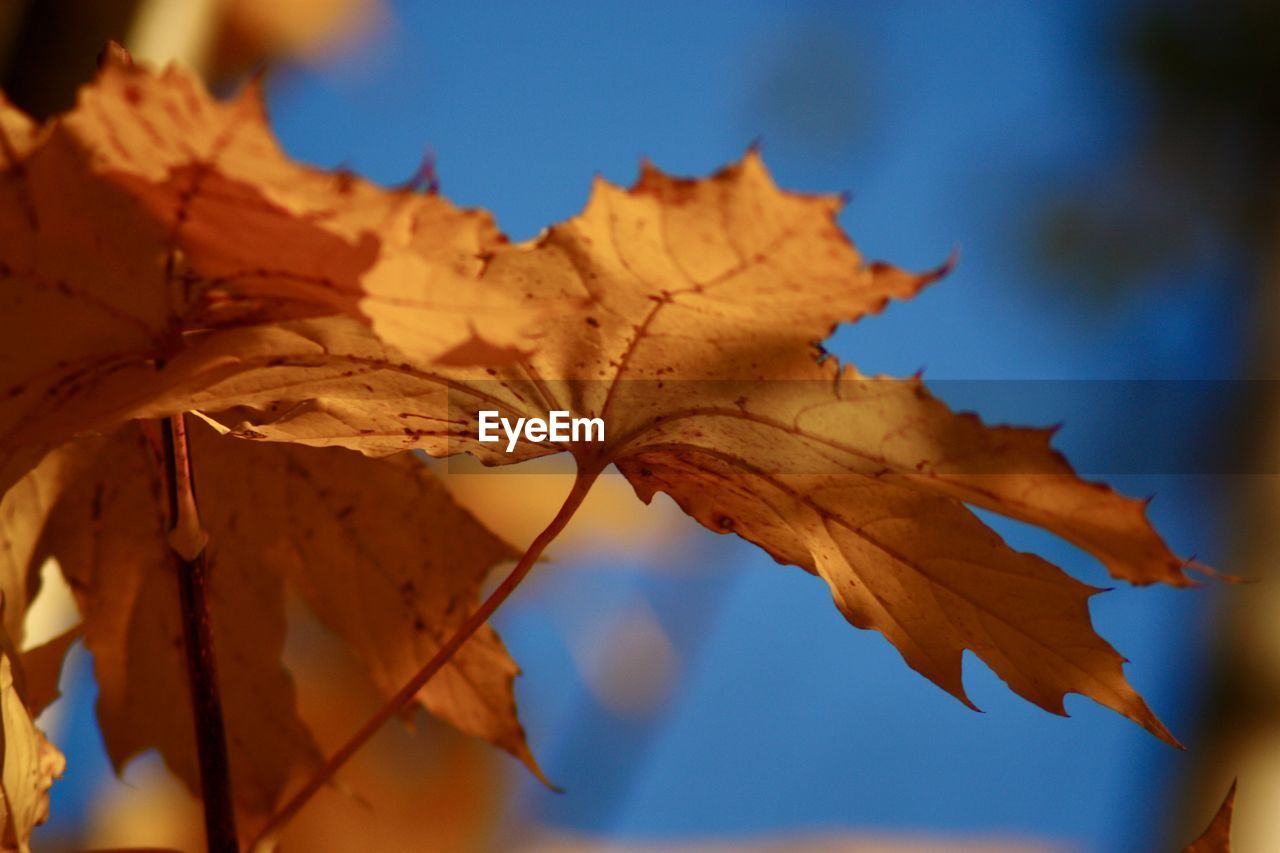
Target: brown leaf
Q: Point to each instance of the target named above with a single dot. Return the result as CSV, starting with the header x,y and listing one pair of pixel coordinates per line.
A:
x,y
152,215
108,535
253,34
31,764
24,509
42,668
386,559
17,135
251,234
362,541
429,788
1217,835
703,298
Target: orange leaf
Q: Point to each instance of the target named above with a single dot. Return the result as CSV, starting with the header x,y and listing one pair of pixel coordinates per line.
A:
x,y
702,300
152,215
1217,835
361,540
31,764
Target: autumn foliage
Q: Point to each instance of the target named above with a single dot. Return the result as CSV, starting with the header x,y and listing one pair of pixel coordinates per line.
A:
x,y
161,257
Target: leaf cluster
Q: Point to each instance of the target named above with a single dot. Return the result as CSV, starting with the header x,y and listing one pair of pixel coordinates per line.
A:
x,y
161,257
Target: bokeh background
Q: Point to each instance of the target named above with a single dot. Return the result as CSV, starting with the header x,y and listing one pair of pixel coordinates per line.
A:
x,y
1109,172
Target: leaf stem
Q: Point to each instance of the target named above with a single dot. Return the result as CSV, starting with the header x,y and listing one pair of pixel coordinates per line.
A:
x,y
187,539
406,695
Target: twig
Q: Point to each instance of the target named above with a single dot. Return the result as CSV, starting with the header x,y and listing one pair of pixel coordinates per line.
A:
x,y
406,695
187,539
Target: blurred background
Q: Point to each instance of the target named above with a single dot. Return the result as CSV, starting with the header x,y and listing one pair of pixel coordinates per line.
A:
x,y
1109,170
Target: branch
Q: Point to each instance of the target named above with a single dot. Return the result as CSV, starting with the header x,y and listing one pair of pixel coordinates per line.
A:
x,y
406,695
187,539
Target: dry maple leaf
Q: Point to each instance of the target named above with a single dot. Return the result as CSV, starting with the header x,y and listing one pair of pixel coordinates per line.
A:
x,y
30,765
703,299
41,668
1216,837
159,255
152,215
358,539
148,222
432,788
23,511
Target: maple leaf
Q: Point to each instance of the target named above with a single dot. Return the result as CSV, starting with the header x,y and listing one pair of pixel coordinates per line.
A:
x,y
356,538
159,255
703,300
150,222
30,765
151,215
41,667
1216,837
23,511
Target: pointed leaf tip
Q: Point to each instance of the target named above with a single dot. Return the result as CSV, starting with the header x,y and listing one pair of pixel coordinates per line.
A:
x,y
114,54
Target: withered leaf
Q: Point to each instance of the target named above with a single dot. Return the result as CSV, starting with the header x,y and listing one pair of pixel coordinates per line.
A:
x,y
31,764
42,668
108,535
381,553
1216,837
159,254
363,542
256,236
23,510
703,299
152,215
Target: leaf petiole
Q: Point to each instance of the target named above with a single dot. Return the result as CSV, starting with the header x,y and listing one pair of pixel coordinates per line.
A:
x,y
187,540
